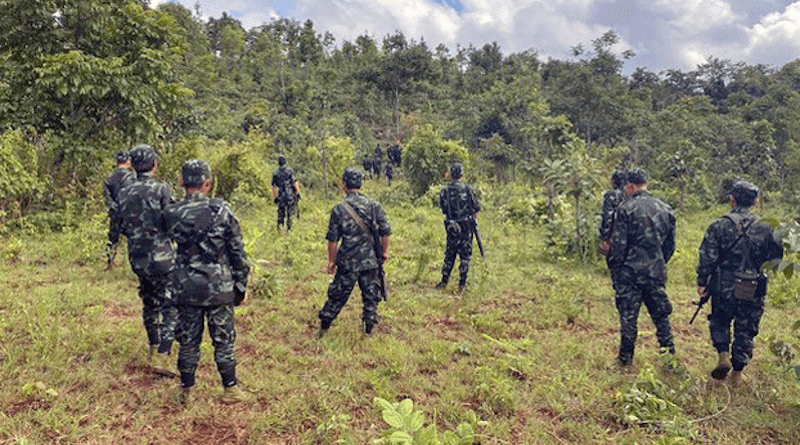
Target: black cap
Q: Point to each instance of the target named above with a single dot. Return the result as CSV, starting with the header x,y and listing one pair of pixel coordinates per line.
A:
x,y
745,193
637,176
281,160
456,170
195,172
351,178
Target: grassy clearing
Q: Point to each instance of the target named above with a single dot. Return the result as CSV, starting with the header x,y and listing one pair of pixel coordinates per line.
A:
x,y
529,348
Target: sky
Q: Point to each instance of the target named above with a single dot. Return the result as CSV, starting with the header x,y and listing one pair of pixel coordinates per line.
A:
x,y
664,34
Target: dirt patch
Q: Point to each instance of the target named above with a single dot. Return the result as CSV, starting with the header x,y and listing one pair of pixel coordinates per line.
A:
x,y
28,404
217,432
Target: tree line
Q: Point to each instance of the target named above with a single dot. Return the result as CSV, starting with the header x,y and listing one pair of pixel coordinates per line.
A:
x,y
80,80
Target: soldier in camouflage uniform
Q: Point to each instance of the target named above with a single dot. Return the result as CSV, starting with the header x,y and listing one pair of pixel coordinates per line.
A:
x,y
734,248
460,207
150,251
285,192
377,161
114,182
210,277
358,223
612,199
642,243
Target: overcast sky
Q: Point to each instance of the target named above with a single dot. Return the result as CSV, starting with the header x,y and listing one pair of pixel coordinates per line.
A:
x,y
664,34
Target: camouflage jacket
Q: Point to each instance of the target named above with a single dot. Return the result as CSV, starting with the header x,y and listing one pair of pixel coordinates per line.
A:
x,y
644,236
356,251
113,183
211,256
612,199
283,178
746,256
458,202
141,219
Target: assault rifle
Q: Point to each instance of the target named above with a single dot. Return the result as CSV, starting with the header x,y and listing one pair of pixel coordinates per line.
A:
x,y
700,303
477,236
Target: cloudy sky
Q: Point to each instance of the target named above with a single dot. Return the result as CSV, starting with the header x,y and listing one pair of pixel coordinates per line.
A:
x,y
664,34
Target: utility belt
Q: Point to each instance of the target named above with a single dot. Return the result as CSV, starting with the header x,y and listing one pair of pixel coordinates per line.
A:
x,y
457,225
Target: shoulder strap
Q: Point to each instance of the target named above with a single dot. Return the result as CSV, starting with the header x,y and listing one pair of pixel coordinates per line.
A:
x,y
359,221
209,218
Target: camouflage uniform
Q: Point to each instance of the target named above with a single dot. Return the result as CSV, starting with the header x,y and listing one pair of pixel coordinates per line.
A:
x,y
459,205
283,178
389,172
743,257
643,241
377,160
150,253
114,182
210,260
356,259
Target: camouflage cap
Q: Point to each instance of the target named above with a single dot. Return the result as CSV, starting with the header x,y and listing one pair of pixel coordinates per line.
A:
x,y
637,176
195,172
123,157
745,193
456,170
351,178
142,157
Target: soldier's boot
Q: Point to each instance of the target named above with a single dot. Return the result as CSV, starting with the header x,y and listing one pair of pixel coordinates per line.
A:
x,y
235,394
736,378
324,325
723,366
442,284
368,326
162,365
182,398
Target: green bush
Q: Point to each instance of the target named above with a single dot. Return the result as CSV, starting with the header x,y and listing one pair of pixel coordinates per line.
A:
x,y
20,185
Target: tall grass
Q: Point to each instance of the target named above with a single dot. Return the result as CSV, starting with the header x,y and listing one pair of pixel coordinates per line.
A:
x,y
529,348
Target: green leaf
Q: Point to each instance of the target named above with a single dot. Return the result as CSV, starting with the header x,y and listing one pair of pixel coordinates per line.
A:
x,y
416,421
405,407
401,437
393,418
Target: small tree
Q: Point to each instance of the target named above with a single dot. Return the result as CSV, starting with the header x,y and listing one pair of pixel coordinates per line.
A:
x,y
427,156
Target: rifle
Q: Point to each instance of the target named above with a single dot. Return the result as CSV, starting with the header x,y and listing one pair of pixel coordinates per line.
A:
x,y
477,236
376,246
700,303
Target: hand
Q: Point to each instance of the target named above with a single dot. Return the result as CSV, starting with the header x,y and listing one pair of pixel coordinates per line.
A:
x,y
604,247
331,267
385,257
702,291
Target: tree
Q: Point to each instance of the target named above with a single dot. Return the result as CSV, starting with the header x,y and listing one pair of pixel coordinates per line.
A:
x,y
427,156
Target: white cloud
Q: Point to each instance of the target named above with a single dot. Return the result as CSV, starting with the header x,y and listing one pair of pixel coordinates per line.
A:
x,y
696,16
778,30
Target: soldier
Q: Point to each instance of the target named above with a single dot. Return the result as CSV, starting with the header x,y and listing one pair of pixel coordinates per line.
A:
x,y
114,182
612,199
389,172
394,155
366,162
363,229
150,251
460,207
642,243
285,192
210,278
731,255
377,160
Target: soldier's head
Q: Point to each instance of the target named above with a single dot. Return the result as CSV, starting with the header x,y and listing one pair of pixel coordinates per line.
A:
x,y
351,178
123,157
744,193
195,174
456,170
143,158
636,180
619,178
281,160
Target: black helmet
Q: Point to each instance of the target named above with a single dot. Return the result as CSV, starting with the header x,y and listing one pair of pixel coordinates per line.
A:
x,y
351,178
745,193
143,157
456,169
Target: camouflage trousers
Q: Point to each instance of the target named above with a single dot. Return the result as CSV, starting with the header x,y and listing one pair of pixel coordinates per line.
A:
x,y
159,314
745,316
285,212
190,335
342,286
459,242
632,291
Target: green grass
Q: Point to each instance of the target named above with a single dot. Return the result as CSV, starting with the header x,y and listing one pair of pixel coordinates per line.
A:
x,y
529,348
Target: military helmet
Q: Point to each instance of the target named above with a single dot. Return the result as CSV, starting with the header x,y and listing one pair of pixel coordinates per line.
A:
x,y
352,178
637,176
143,157
745,193
456,170
123,157
195,172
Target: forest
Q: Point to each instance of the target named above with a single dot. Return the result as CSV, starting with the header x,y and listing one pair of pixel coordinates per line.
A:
x,y
539,139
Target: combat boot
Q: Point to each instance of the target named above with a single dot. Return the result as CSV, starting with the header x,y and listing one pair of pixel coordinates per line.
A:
x,y
368,325
440,285
736,378
182,398
234,394
323,328
723,366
